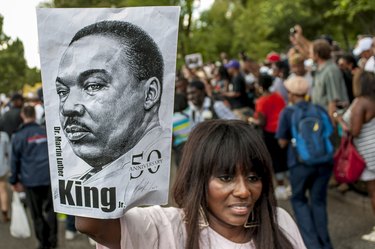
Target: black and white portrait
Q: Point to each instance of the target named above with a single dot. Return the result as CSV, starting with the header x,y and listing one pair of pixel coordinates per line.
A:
x,y
109,83
108,91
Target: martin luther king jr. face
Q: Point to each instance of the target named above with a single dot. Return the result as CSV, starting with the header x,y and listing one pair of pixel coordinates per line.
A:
x,y
101,102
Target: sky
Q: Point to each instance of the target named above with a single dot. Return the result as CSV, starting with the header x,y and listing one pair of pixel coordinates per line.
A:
x,y
20,22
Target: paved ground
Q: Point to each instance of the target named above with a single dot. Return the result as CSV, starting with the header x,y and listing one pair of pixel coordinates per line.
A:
x,y
8,242
350,216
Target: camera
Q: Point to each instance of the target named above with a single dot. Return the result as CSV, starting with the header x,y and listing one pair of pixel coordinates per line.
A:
x,y
292,31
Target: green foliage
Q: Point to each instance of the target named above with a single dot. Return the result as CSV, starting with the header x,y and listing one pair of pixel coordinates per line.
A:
x,y
213,33
351,9
360,12
32,76
232,27
12,62
14,72
252,29
283,15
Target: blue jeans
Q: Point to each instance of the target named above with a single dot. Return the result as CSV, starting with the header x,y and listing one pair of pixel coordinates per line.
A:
x,y
70,223
311,210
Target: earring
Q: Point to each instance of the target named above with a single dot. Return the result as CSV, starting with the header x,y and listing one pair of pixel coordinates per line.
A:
x,y
203,222
252,222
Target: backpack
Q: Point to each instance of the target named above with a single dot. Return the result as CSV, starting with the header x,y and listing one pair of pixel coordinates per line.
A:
x,y
311,131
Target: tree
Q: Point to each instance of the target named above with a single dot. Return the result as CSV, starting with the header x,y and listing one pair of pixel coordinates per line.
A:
x,y
360,13
252,27
233,27
12,62
212,33
32,76
343,20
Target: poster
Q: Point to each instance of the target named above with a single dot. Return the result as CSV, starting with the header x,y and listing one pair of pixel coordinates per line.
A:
x,y
108,83
194,60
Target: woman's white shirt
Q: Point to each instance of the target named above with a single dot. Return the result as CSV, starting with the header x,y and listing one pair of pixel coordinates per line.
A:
x,y
163,228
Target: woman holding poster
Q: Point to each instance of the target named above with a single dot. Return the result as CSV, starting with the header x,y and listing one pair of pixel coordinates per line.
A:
x,y
225,199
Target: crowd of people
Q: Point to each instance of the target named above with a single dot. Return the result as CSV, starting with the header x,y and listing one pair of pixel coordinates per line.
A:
x,y
311,74
24,164
234,138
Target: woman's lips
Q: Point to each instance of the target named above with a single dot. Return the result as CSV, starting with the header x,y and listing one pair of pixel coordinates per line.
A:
x,y
240,209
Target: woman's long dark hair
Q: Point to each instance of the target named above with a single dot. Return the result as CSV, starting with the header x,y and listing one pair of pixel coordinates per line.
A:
x,y
222,145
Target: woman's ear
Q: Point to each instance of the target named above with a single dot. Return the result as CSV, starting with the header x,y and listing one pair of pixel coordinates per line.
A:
x,y
152,92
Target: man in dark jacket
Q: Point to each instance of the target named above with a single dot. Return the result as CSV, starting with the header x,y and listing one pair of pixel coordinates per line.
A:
x,y
11,120
30,172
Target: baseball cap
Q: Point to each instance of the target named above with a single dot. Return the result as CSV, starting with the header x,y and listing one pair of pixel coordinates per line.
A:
x,y
297,85
363,45
233,64
273,57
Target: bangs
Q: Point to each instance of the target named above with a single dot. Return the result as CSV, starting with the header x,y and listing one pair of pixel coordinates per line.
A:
x,y
236,148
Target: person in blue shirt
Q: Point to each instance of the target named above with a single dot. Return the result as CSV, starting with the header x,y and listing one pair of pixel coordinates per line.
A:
x,y
309,183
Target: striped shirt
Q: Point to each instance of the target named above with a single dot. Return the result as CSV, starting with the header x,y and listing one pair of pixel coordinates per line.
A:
x,y
181,128
365,143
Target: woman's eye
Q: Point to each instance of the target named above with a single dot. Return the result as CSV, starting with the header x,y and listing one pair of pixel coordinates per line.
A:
x,y
253,178
225,178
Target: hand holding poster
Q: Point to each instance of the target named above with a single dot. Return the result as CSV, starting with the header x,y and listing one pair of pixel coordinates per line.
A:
x,y
108,76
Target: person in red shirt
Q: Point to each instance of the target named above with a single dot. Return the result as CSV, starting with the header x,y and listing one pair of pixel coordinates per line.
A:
x,y
267,109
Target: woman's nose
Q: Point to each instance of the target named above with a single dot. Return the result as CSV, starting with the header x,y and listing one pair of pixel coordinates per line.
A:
x,y
241,188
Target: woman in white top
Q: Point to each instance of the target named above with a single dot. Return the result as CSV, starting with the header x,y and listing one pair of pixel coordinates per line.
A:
x,y
225,199
360,117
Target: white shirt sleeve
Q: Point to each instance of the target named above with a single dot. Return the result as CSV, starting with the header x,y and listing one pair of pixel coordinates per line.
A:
x,y
290,229
152,228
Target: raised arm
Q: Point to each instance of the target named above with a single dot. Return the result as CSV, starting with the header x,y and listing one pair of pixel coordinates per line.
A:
x,y
106,232
300,42
358,117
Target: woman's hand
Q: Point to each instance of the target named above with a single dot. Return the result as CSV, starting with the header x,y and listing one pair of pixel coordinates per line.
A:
x,y
106,232
338,118
259,120
300,42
